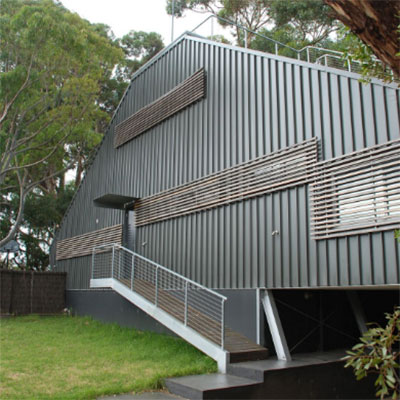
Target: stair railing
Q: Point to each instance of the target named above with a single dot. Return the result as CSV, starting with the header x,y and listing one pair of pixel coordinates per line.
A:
x,y
194,305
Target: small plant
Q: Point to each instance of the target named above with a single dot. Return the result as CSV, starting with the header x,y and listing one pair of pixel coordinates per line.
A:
x,y
379,353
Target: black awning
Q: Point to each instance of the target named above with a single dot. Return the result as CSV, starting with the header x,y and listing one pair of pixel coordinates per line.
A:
x,y
114,201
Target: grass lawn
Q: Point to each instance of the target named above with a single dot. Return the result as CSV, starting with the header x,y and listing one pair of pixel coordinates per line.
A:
x,y
79,358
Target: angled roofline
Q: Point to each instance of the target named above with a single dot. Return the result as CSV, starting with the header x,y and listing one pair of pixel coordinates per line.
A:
x,y
198,38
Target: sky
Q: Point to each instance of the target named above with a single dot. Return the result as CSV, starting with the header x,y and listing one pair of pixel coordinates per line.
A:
x,y
140,15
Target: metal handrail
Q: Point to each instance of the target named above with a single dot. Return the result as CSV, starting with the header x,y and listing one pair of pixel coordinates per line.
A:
x,y
327,52
115,245
197,306
228,21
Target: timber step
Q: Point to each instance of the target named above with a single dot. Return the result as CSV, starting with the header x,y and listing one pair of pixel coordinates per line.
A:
x,y
239,347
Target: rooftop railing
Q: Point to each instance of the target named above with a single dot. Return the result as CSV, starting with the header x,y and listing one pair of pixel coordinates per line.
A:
x,y
312,54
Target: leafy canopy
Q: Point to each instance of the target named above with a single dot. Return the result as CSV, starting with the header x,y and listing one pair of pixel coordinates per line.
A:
x,y
52,65
61,80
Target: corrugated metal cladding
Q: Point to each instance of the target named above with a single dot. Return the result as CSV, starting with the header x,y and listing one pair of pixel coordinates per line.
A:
x,y
256,103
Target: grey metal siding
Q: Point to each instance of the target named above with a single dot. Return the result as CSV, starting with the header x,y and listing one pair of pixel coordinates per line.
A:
x,y
256,103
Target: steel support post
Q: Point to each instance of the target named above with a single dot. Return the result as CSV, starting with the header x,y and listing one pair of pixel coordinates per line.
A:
x,y
223,324
358,311
258,317
93,255
275,326
132,271
112,262
119,263
186,302
156,300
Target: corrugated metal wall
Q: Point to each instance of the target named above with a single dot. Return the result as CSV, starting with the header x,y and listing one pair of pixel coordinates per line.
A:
x,y
256,103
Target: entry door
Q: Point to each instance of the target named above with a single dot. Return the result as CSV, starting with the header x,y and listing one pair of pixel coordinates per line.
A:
x,y
128,232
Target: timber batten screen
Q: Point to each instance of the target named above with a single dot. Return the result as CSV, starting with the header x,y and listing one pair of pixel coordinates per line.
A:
x,y
357,193
82,245
282,169
183,95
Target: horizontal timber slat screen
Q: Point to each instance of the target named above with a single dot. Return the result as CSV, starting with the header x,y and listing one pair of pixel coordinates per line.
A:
x,y
282,169
189,91
82,245
357,193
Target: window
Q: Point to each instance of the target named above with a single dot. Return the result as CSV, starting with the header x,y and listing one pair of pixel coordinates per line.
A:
x,y
357,193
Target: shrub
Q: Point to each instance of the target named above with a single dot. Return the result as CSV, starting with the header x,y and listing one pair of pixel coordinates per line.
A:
x,y
379,353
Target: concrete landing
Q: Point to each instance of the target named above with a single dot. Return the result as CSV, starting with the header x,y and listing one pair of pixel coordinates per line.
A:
x,y
212,386
256,369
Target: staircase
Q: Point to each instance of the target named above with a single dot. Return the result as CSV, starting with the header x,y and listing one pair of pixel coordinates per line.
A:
x,y
192,311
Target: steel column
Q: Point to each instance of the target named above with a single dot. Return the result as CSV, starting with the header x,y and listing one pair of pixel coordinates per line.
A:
x,y
112,261
358,311
275,326
186,302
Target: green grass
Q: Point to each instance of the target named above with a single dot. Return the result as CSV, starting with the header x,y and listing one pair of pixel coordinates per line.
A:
x,y
79,358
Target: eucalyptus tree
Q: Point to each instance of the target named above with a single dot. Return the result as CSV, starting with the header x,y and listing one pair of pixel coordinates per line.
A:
x,y
377,24
251,14
52,64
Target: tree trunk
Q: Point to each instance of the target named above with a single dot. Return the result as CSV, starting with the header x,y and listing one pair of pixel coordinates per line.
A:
x,y
375,22
79,172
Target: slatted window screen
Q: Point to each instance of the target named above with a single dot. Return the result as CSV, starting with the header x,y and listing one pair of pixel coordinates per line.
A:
x,y
183,95
82,245
357,193
276,171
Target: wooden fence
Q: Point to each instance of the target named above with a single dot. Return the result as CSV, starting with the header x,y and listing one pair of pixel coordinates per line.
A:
x,y
27,292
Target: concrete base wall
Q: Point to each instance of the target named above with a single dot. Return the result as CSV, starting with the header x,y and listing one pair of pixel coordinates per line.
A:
x,y
108,306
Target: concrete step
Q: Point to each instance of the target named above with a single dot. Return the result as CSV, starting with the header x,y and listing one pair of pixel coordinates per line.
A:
x,y
257,369
307,376
212,386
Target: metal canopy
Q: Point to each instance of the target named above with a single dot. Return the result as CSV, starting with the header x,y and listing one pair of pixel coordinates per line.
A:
x,y
117,201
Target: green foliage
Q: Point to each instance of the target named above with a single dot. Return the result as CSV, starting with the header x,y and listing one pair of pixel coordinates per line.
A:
x,y
219,39
286,35
379,353
52,66
311,20
61,79
307,20
251,14
79,358
356,50
139,47
43,213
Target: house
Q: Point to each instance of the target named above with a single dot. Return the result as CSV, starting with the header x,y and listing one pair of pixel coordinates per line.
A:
x,y
271,181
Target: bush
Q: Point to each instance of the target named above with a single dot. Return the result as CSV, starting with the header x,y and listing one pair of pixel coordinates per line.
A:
x,y
379,353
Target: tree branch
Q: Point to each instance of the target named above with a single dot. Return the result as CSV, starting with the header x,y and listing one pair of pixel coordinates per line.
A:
x,y
7,106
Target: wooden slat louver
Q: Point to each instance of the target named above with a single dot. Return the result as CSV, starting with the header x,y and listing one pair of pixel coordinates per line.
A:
x,y
183,95
357,193
82,245
276,171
